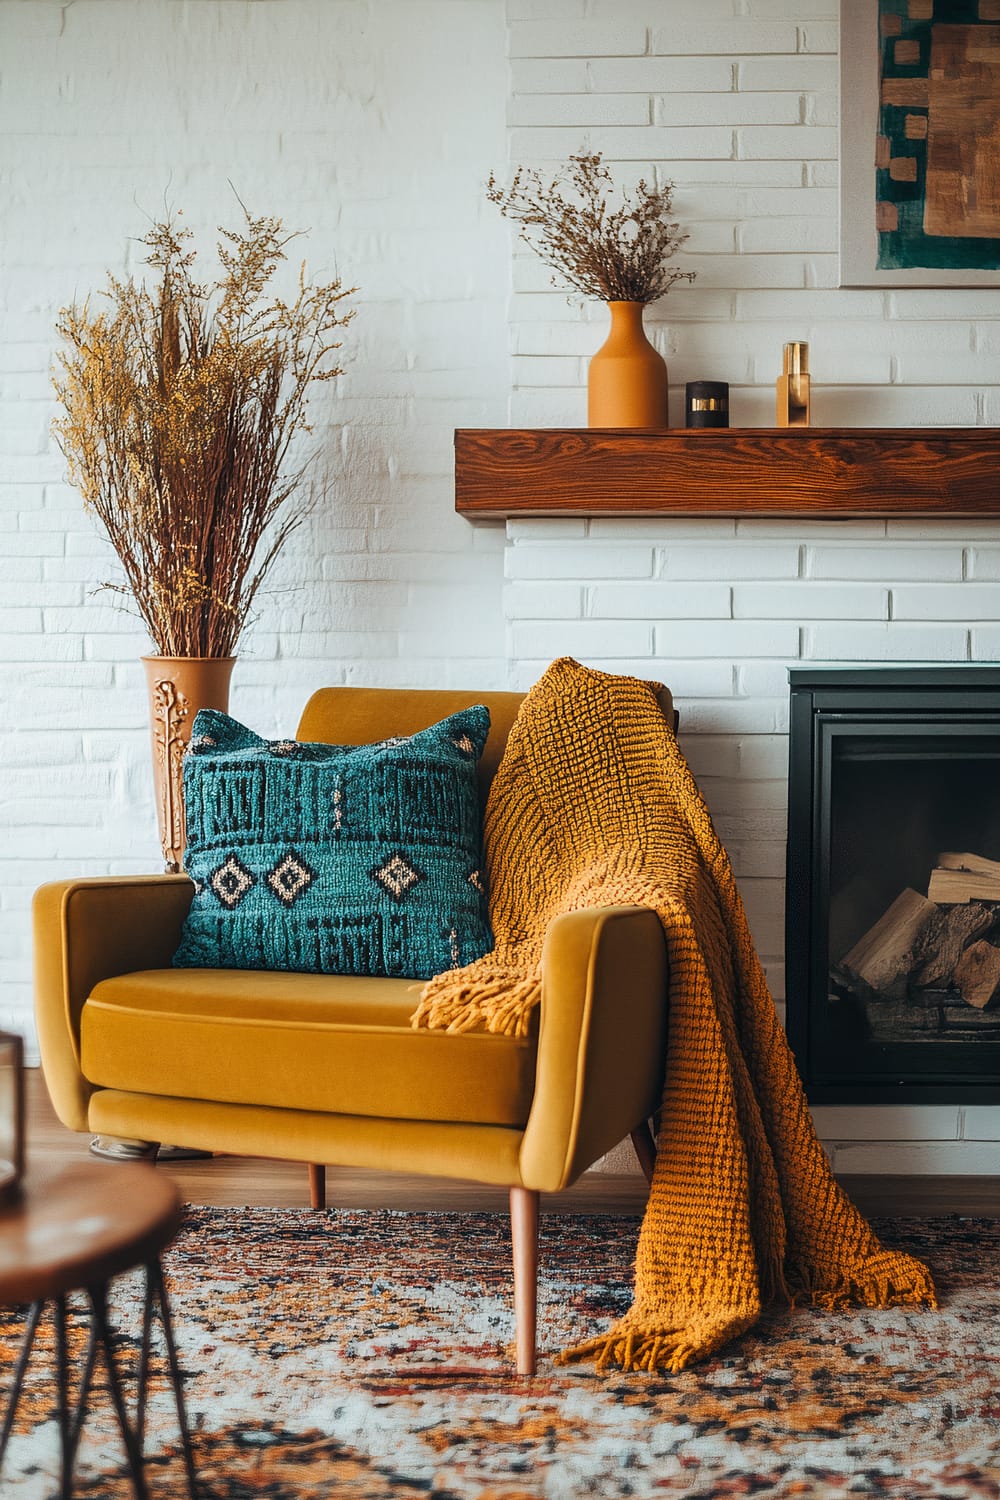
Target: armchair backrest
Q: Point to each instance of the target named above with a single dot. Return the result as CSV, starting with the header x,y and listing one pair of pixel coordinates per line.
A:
x,y
361,715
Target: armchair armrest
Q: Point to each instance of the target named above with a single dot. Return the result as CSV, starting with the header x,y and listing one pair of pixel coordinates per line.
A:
x,y
602,1039
85,931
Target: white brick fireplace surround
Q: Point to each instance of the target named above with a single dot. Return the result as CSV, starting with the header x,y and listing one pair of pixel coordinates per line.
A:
x,y
374,124
719,609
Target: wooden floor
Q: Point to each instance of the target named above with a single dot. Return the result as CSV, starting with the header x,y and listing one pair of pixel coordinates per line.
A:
x,y
227,1181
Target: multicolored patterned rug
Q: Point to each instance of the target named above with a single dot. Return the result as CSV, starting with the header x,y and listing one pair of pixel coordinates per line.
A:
x,y
367,1354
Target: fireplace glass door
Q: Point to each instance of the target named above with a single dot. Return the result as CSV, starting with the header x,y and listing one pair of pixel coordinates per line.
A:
x,y
893,899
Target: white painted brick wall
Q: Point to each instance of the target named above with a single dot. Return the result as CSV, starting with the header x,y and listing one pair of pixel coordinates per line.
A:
x,y
726,660
739,108
374,125
717,663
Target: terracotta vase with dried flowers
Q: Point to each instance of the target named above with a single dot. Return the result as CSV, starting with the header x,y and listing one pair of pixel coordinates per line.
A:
x,y
181,403
615,255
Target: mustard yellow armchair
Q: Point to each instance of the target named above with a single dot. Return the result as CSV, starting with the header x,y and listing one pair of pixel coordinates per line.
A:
x,y
326,1069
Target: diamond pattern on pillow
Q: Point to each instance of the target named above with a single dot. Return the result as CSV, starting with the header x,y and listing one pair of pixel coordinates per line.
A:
x,y
230,882
290,879
397,876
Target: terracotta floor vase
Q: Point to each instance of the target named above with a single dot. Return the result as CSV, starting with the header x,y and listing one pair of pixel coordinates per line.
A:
x,y
178,687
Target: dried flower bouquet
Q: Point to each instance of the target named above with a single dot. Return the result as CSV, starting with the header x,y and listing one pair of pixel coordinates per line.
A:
x,y
611,254
182,401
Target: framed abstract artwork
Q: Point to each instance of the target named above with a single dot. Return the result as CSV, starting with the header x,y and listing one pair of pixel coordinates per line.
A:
x,y
920,143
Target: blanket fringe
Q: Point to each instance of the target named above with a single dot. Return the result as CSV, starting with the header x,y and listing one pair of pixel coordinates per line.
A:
x,y
501,1003
895,1280
649,1352
892,1279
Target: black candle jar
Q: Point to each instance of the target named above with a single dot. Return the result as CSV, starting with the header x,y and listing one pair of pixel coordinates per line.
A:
x,y
707,403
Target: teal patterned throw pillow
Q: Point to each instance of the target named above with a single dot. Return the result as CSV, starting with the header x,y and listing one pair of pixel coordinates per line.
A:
x,y
335,859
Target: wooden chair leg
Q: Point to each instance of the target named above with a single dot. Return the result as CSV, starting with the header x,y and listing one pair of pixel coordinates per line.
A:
x,y
524,1241
645,1149
317,1186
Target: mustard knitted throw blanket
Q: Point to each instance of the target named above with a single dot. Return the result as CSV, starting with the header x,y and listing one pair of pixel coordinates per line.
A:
x,y
593,805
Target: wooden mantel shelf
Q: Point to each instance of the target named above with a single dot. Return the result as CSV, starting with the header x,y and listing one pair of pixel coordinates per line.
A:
x,y
817,472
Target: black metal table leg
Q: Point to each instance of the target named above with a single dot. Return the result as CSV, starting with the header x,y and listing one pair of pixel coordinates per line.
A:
x,y
62,1400
74,1232
72,1414
31,1327
98,1311
156,1285
83,1391
143,1380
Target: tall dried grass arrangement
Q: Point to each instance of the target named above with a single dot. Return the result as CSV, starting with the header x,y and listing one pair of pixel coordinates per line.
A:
x,y
611,254
181,403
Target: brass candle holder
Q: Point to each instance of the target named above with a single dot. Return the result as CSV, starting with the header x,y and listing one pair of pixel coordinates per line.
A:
x,y
793,387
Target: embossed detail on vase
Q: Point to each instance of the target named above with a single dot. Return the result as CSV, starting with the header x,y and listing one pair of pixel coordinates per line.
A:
x,y
178,687
627,378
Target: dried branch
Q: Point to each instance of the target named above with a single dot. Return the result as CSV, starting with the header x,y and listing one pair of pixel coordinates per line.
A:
x,y
181,403
612,254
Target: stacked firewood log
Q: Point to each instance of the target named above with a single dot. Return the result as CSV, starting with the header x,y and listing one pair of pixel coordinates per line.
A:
x,y
948,940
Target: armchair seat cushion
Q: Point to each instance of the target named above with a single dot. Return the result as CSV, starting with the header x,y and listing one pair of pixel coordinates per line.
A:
x,y
333,1043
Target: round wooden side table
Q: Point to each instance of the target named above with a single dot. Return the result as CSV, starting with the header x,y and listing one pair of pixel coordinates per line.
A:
x,y
72,1231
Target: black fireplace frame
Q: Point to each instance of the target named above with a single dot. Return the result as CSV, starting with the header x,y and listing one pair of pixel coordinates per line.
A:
x,y
825,702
